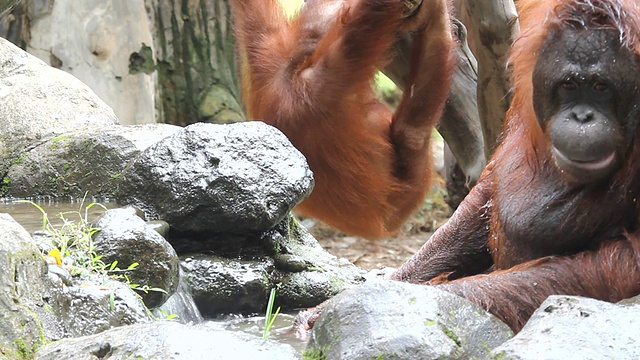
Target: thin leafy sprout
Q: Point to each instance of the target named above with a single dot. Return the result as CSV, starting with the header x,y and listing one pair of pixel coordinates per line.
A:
x,y
74,240
270,316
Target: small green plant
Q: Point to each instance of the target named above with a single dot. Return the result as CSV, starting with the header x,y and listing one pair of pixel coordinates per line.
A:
x,y
270,316
166,314
315,354
72,246
74,239
73,242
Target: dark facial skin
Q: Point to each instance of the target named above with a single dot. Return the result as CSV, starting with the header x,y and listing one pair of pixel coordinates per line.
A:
x,y
586,94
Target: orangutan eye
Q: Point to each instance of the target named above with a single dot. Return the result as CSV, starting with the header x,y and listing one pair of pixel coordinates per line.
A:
x,y
600,86
569,85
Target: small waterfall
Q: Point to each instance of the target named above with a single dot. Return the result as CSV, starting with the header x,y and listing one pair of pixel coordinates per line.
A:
x,y
180,303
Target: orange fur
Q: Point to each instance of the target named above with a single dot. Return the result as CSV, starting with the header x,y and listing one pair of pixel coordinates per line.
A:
x,y
311,77
524,231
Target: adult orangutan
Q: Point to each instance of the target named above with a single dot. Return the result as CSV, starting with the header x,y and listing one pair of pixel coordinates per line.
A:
x,y
311,77
556,210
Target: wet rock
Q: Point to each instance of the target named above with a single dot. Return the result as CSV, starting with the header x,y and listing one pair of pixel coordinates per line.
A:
x,y
306,274
38,102
393,320
27,296
126,238
161,227
223,286
167,340
287,258
96,304
571,327
74,163
233,179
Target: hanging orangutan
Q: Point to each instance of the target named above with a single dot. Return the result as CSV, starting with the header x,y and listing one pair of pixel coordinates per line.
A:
x,y
311,77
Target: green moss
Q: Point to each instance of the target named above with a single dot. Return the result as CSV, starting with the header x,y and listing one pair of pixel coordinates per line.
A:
x,y
451,335
61,138
129,356
337,284
42,340
48,308
23,350
500,356
53,181
5,185
142,61
57,141
16,161
314,354
292,226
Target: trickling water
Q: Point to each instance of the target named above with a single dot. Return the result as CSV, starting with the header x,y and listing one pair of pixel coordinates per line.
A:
x,y
181,304
281,331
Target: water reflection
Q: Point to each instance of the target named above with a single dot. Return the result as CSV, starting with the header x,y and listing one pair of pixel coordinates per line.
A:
x,y
30,217
281,330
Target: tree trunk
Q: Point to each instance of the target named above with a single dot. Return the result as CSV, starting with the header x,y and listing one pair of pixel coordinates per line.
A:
x,y
167,61
492,26
195,53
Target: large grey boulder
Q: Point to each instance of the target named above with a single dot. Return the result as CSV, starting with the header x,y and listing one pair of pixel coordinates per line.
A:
x,y
235,179
393,320
571,327
57,138
88,160
39,102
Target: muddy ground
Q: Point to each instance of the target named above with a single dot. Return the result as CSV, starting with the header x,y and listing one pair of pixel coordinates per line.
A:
x,y
390,252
